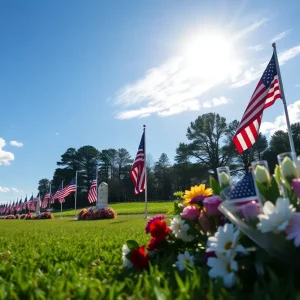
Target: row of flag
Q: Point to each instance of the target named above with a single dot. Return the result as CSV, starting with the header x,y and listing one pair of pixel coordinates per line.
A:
x,y
60,196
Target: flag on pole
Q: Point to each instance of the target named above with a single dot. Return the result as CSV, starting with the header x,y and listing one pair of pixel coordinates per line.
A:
x,y
57,194
265,94
70,188
45,200
92,196
138,169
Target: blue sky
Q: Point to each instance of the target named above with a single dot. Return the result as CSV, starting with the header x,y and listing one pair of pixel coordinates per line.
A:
x,y
75,73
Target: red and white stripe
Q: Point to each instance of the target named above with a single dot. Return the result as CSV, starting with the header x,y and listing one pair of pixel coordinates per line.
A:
x,y
92,196
137,172
248,129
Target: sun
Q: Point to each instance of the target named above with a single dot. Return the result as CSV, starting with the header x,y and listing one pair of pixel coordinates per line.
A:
x,y
210,56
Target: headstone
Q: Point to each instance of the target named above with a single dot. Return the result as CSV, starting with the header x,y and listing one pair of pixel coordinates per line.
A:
x,y
38,207
102,198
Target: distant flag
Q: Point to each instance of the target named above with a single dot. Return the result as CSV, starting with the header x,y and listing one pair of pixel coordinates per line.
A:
x,y
25,203
57,194
138,169
70,188
92,196
45,200
29,203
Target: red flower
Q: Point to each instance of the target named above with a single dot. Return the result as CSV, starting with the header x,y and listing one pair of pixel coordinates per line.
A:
x,y
153,244
159,230
139,258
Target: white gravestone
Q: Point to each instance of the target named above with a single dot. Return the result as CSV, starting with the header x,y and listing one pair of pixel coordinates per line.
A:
x,y
38,207
102,198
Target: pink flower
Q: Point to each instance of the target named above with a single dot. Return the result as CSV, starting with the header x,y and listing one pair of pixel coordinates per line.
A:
x,y
190,212
293,229
211,205
250,210
296,186
204,222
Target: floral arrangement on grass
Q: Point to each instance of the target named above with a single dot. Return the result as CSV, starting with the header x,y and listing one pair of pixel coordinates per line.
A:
x,y
239,232
96,214
29,216
45,215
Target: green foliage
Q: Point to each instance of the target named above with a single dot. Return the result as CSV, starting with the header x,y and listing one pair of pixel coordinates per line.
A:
x,y
214,186
270,192
179,195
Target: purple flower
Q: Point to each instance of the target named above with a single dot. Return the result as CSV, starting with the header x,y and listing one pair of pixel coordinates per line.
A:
x,y
293,229
296,186
158,217
250,210
211,205
190,212
197,198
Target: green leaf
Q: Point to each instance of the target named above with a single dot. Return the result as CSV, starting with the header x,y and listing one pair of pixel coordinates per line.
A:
x,y
215,186
132,244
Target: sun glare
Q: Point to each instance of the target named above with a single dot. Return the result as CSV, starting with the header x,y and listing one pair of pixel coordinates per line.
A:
x,y
210,56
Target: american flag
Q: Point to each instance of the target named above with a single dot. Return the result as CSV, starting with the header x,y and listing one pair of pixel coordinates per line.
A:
x,y
57,194
92,197
70,188
30,203
266,93
244,190
45,200
24,206
138,169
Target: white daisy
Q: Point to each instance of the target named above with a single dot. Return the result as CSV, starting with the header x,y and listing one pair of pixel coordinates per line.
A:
x,y
126,262
275,217
183,259
179,228
225,241
224,267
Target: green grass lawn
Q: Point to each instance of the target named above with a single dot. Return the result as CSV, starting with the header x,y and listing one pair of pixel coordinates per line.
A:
x,y
129,208
66,259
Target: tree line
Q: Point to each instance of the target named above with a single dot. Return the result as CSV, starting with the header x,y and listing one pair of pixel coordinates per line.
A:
x,y
209,146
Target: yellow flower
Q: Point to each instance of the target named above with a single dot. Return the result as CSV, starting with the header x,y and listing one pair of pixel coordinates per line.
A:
x,y
195,194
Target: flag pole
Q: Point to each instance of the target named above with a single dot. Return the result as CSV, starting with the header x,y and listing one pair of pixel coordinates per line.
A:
x,y
75,193
284,101
145,166
96,183
62,187
50,195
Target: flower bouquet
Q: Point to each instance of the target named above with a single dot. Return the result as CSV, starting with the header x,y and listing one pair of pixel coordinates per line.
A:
x,y
45,215
29,216
234,231
98,214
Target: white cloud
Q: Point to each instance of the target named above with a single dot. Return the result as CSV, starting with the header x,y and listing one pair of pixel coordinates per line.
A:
x,y
280,121
250,28
15,190
280,36
4,189
216,102
255,73
256,48
297,85
16,144
5,156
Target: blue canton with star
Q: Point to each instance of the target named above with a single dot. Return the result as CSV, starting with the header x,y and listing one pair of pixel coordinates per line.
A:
x,y
269,73
244,188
